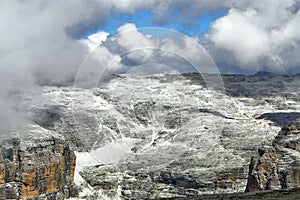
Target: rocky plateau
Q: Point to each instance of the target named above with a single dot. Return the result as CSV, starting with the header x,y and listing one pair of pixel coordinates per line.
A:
x,y
155,137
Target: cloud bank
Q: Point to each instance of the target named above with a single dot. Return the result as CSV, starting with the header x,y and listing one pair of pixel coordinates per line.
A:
x,y
37,37
258,35
254,35
132,49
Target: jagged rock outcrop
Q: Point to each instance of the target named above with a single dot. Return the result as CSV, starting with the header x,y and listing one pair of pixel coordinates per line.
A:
x,y
36,164
278,166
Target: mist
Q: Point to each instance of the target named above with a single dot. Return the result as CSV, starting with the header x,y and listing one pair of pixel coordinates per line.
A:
x,y
36,47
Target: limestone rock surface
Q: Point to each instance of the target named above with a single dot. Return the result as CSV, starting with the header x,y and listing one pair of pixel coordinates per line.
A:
x,y
36,163
277,166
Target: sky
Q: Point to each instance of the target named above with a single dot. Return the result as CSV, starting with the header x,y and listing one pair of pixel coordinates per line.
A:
x,y
145,18
240,36
48,40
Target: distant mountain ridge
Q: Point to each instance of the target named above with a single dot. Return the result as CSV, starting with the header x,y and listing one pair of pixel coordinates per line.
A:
x,y
262,73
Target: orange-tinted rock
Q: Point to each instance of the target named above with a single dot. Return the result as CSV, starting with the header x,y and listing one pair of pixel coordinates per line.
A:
x,y
277,167
41,164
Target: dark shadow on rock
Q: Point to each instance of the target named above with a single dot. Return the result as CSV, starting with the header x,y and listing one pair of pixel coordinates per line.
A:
x,y
280,119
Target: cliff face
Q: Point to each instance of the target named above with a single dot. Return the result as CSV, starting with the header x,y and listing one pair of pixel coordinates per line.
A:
x,y
278,166
38,165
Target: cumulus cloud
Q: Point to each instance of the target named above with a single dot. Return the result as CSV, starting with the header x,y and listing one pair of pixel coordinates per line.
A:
x,y
40,34
262,35
34,39
146,51
236,33
169,48
254,35
94,40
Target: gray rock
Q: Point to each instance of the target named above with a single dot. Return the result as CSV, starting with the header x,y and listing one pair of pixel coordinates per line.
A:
x,y
277,166
185,139
36,164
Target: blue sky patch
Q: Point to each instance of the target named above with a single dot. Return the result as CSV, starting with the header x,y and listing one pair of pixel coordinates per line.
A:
x,y
144,18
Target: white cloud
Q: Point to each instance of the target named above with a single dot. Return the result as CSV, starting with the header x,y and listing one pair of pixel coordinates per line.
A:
x,y
94,40
127,27
36,44
130,6
238,34
262,35
255,35
177,51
